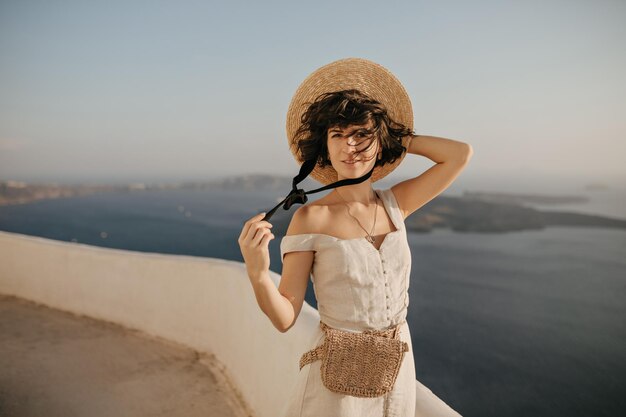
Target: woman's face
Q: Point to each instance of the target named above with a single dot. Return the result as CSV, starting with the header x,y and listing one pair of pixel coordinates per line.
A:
x,y
342,145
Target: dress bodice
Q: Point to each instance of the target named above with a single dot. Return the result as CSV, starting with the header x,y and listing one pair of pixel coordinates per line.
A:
x,y
357,286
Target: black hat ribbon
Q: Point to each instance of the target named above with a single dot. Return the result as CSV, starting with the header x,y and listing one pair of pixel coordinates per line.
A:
x,y
298,195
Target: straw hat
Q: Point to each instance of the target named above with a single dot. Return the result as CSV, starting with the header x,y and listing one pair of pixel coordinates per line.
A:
x,y
366,76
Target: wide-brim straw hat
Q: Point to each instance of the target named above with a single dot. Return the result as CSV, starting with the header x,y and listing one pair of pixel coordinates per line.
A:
x,y
370,78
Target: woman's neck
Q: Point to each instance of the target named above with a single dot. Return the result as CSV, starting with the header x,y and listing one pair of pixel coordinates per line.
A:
x,y
359,193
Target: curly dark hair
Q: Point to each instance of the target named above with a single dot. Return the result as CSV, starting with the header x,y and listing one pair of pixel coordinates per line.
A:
x,y
341,109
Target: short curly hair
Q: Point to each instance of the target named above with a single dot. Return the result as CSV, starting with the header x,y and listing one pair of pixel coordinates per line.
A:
x,y
341,109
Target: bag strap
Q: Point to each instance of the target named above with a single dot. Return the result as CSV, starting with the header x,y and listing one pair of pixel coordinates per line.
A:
x,y
313,355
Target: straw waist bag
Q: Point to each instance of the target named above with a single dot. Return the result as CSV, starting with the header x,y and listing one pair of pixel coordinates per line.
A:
x,y
361,364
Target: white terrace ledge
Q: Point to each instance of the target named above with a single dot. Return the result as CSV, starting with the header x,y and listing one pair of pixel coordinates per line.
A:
x,y
206,304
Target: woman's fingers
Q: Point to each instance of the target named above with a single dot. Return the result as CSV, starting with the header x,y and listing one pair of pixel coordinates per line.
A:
x,y
260,235
266,239
247,224
256,229
251,226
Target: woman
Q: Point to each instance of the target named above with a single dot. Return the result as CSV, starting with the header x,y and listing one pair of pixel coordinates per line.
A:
x,y
350,124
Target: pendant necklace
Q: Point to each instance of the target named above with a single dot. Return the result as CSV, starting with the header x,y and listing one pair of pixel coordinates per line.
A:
x,y
369,237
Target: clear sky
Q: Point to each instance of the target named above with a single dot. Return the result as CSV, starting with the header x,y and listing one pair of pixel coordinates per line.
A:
x,y
144,91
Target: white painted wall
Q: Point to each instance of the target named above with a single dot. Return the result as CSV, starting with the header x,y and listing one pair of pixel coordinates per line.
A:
x,y
205,303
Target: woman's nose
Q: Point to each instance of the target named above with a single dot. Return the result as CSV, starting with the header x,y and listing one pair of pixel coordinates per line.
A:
x,y
350,150
351,142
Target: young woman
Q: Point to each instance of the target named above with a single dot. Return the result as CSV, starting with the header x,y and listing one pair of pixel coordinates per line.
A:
x,y
353,119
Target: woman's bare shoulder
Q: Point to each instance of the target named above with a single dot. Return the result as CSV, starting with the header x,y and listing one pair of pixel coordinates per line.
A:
x,y
310,217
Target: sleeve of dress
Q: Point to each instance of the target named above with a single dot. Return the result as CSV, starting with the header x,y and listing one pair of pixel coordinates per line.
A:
x,y
296,243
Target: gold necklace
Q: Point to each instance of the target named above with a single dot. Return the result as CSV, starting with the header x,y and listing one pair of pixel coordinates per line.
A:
x,y
369,236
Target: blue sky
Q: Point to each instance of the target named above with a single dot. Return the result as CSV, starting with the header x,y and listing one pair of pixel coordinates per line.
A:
x,y
167,91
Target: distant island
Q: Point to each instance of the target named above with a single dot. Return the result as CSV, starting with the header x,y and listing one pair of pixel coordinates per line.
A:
x,y
471,212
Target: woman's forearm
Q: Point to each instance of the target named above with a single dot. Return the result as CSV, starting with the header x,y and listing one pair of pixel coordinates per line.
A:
x,y
275,306
439,149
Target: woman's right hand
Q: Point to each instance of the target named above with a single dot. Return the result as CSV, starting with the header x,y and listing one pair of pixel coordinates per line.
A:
x,y
253,242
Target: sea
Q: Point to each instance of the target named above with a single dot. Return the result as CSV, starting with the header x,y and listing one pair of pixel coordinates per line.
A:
x,y
529,323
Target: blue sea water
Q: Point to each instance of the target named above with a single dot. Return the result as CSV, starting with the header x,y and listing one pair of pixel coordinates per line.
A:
x,y
512,324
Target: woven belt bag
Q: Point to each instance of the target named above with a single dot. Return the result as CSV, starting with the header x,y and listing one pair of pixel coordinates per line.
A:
x,y
360,364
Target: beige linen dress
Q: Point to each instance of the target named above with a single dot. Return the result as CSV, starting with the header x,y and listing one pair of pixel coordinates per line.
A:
x,y
358,287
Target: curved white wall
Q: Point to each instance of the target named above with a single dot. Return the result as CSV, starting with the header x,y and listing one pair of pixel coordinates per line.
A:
x,y
205,303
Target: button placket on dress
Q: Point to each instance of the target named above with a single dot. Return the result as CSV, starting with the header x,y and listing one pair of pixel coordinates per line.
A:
x,y
381,256
387,288
388,292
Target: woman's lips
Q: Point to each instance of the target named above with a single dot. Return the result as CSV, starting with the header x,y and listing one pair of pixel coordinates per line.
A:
x,y
350,162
